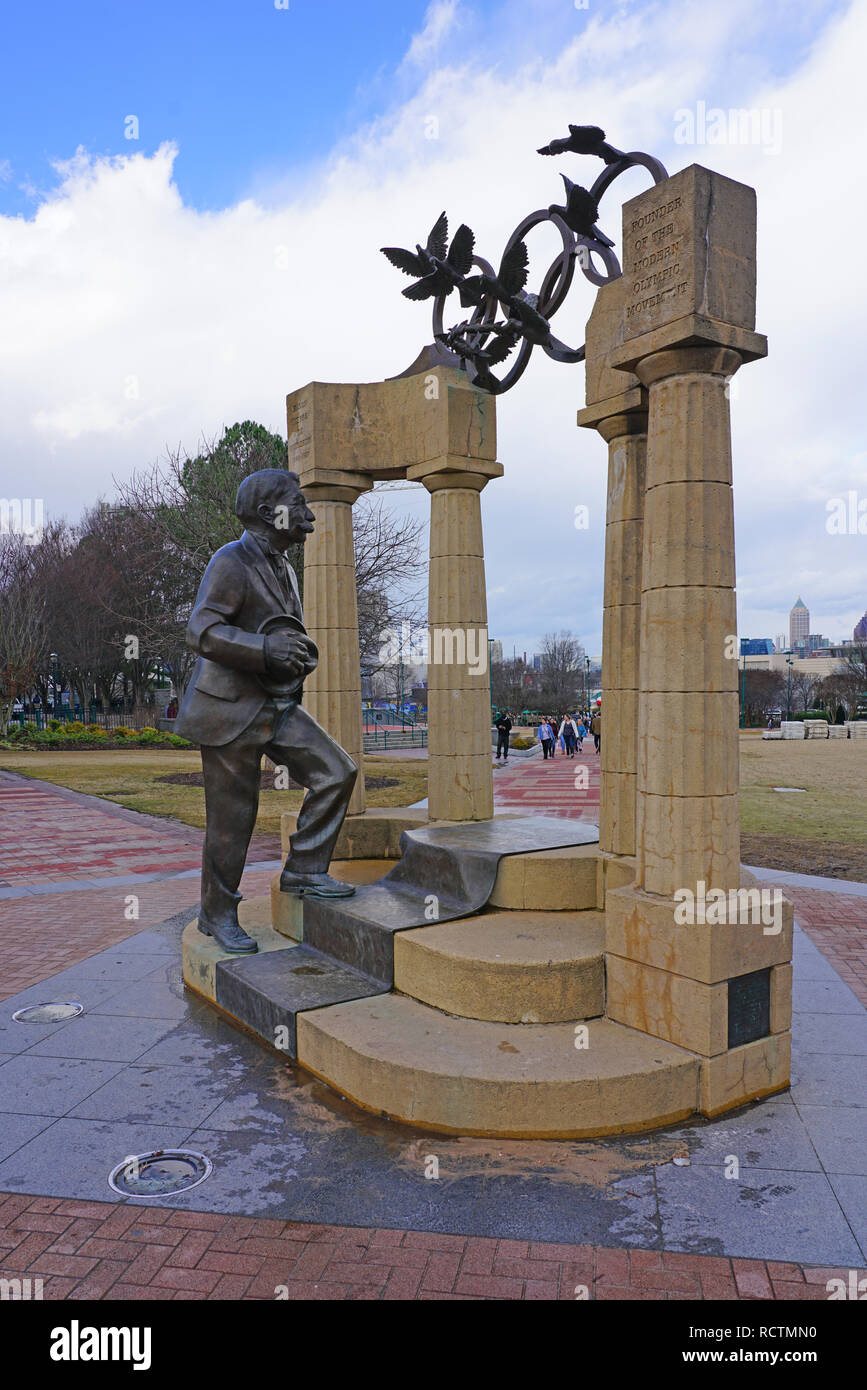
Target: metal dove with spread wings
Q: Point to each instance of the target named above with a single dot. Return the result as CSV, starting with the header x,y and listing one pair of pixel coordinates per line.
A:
x,y
436,268
505,316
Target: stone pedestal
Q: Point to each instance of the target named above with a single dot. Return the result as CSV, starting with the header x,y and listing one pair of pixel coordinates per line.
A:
x,y
460,770
332,694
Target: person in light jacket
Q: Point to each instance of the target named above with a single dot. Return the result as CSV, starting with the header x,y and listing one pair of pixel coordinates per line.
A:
x,y
569,735
545,735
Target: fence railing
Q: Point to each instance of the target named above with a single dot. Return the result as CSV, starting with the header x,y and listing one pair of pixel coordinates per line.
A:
x,y
375,719
394,738
140,717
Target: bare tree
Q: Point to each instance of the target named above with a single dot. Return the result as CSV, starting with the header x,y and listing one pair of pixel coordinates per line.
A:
x,y
511,685
21,622
803,689
387,565
762,691
560,677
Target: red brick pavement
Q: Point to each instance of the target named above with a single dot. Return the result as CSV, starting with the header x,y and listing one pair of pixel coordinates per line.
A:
x,y
42,935
47,837
99,1250
549,788
837,924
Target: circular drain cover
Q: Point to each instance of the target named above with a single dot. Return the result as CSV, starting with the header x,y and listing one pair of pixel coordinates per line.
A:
x,y
48,1013
160,1173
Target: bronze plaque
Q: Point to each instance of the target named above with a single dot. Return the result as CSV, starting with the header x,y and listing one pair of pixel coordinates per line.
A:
x,y
749,1007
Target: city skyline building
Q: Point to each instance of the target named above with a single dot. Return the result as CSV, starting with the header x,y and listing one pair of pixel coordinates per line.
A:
x,y
799,623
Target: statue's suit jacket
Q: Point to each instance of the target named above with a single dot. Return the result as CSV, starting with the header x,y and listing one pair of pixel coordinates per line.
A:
x,y
238,593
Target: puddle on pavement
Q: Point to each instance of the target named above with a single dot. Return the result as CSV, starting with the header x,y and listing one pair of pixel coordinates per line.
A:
x,y
595,1163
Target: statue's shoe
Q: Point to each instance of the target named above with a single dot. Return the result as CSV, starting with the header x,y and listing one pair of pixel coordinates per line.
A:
x,y
230,937
314,885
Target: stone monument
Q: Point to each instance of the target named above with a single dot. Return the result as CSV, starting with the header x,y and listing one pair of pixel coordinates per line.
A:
x,y
524,976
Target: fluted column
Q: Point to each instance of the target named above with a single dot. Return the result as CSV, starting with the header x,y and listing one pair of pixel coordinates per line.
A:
x,y
332,694
617,408
627,448
460,766
687,809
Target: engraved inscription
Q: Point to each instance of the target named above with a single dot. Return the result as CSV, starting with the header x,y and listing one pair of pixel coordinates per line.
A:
x,y
656,271
300,434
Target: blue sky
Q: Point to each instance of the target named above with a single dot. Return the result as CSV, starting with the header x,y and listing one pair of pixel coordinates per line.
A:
x,y
237,84
144,305
246,89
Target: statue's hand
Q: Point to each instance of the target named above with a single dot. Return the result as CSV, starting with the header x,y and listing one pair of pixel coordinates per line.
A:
x,y
286,653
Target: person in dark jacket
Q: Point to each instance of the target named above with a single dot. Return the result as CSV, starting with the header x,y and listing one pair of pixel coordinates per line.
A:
x,y
596,727
504,729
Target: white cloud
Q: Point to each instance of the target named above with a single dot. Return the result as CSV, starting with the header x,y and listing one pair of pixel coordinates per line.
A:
x,y
440,21
114,280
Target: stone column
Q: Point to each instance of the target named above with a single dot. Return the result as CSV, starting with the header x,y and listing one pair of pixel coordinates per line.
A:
x,y
688,825
332,694
627,447
707,976
617,409
460,765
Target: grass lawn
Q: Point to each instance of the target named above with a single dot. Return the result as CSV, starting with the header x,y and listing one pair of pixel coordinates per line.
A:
x,y
133,778
821,829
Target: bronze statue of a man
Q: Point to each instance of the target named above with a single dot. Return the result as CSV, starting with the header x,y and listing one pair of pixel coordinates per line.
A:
x,y
243,700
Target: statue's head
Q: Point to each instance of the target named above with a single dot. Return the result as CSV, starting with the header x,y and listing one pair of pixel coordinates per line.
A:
x,y
271,504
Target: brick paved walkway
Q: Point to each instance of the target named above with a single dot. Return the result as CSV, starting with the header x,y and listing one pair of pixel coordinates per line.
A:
x,y
99,1250
837,924
49,838
69,865
549,788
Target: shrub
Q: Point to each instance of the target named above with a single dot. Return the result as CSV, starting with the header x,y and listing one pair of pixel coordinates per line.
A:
x,y
123,732
175,741
522,742
54,724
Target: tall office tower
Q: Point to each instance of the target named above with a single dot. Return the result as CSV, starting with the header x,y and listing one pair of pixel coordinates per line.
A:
x,y
799,623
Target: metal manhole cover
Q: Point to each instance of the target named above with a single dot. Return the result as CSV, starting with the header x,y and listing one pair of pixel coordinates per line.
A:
x,y
48,1013
160,1173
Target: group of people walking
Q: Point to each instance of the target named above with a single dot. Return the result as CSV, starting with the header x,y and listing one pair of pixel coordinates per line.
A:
x,y
568,733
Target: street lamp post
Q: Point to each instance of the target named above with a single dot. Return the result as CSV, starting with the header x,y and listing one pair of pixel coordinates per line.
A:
x,y
790,664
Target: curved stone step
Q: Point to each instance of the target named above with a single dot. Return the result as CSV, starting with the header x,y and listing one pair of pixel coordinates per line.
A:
x,y
551,880
405,1060
509,967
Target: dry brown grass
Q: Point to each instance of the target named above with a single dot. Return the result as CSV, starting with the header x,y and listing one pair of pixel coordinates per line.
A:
x,y
132,778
